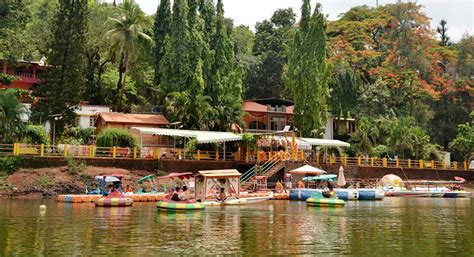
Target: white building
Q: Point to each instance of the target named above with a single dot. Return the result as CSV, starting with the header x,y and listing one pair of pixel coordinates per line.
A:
x,y
86,114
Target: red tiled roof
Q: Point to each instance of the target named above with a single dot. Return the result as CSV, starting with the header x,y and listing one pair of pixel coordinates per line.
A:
x,y
250,106
253,107
117,117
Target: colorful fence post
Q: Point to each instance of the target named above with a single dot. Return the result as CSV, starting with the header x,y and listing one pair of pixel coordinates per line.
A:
x,y
42,150
91,151
159,154
384,162
465,165
114,152
247,155
372,161
359,161
258,156
397,163
198,155
345,160
455,165
443,163
421,164
432,164
134,152
409,163
65,150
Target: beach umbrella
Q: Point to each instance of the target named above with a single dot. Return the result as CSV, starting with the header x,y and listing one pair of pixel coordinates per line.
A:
x,y
307,169
111,179
341,180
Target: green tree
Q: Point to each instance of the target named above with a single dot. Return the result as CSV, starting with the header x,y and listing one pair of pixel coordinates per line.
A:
x,y
126,29
345,87
11,111
14,17
442,31
264,76
464,141
98,56
366,136
308,72
63,86
225,85
162,28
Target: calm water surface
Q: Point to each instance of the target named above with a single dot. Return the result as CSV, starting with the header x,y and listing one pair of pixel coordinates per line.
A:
x,y
392,227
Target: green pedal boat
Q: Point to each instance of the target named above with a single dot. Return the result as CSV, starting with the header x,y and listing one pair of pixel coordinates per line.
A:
x,y
318,200
169,205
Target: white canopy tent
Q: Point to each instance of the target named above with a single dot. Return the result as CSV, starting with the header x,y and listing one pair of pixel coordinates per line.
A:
x,y
324,142
202,137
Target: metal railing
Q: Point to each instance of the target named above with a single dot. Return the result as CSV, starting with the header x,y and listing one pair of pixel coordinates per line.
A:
x,y
265,158
260,169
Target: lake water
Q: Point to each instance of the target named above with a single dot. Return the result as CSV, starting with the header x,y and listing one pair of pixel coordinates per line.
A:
x,y
392,227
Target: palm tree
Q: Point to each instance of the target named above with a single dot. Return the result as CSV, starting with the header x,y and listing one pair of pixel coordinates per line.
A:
x,y
126,29
11,110
366,136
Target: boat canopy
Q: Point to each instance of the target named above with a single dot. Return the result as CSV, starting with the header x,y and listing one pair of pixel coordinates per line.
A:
x,y
230,173
183,175
307,169
145,178
325,177
109,178
202,137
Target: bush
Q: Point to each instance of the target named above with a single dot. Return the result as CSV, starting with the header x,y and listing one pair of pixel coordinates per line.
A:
x,y
8,164
250,141
35,134
76,166
110,137
77,136
380,151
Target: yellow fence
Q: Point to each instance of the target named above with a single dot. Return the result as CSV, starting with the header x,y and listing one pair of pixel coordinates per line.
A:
x,y
92,151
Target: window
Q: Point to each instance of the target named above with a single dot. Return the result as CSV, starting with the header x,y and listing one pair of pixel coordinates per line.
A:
x,y
92,121
256,125
277,122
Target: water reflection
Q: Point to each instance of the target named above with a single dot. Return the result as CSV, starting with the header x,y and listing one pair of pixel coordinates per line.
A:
x,y
395,226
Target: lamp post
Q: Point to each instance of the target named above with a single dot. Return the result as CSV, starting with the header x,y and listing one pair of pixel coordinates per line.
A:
x,y
55,117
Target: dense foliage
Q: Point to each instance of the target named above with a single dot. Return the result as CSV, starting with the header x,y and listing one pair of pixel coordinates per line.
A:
x,y
110,137
408,86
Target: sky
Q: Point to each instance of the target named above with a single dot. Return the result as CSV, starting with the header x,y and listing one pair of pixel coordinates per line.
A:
x,y
458,13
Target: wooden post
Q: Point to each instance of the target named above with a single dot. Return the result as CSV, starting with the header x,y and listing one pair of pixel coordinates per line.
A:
x,y
217,153
91,151
179,153
465,165
432,164
455,165
397,163
421,164
114,152
302,155
258,156
134,152
198,155
359,161
247,155
372,161
345,160
42,150
443,163
269,155
409,163
65,150
384,162
159,153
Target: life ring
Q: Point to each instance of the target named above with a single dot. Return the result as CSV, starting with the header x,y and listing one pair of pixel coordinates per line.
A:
x,y
286,156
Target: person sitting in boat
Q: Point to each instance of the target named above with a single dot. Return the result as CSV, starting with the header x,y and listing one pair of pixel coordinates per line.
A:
x,y
222,196
278,187
300,184
329,193
175,196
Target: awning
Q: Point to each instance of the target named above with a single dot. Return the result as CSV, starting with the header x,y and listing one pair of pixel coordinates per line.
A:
x,y
328,177
325,142
307,169
201,136
220,173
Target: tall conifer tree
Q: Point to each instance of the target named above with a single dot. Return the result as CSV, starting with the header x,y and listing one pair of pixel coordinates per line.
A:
x,y
162,29
225,86
64,84
308,72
